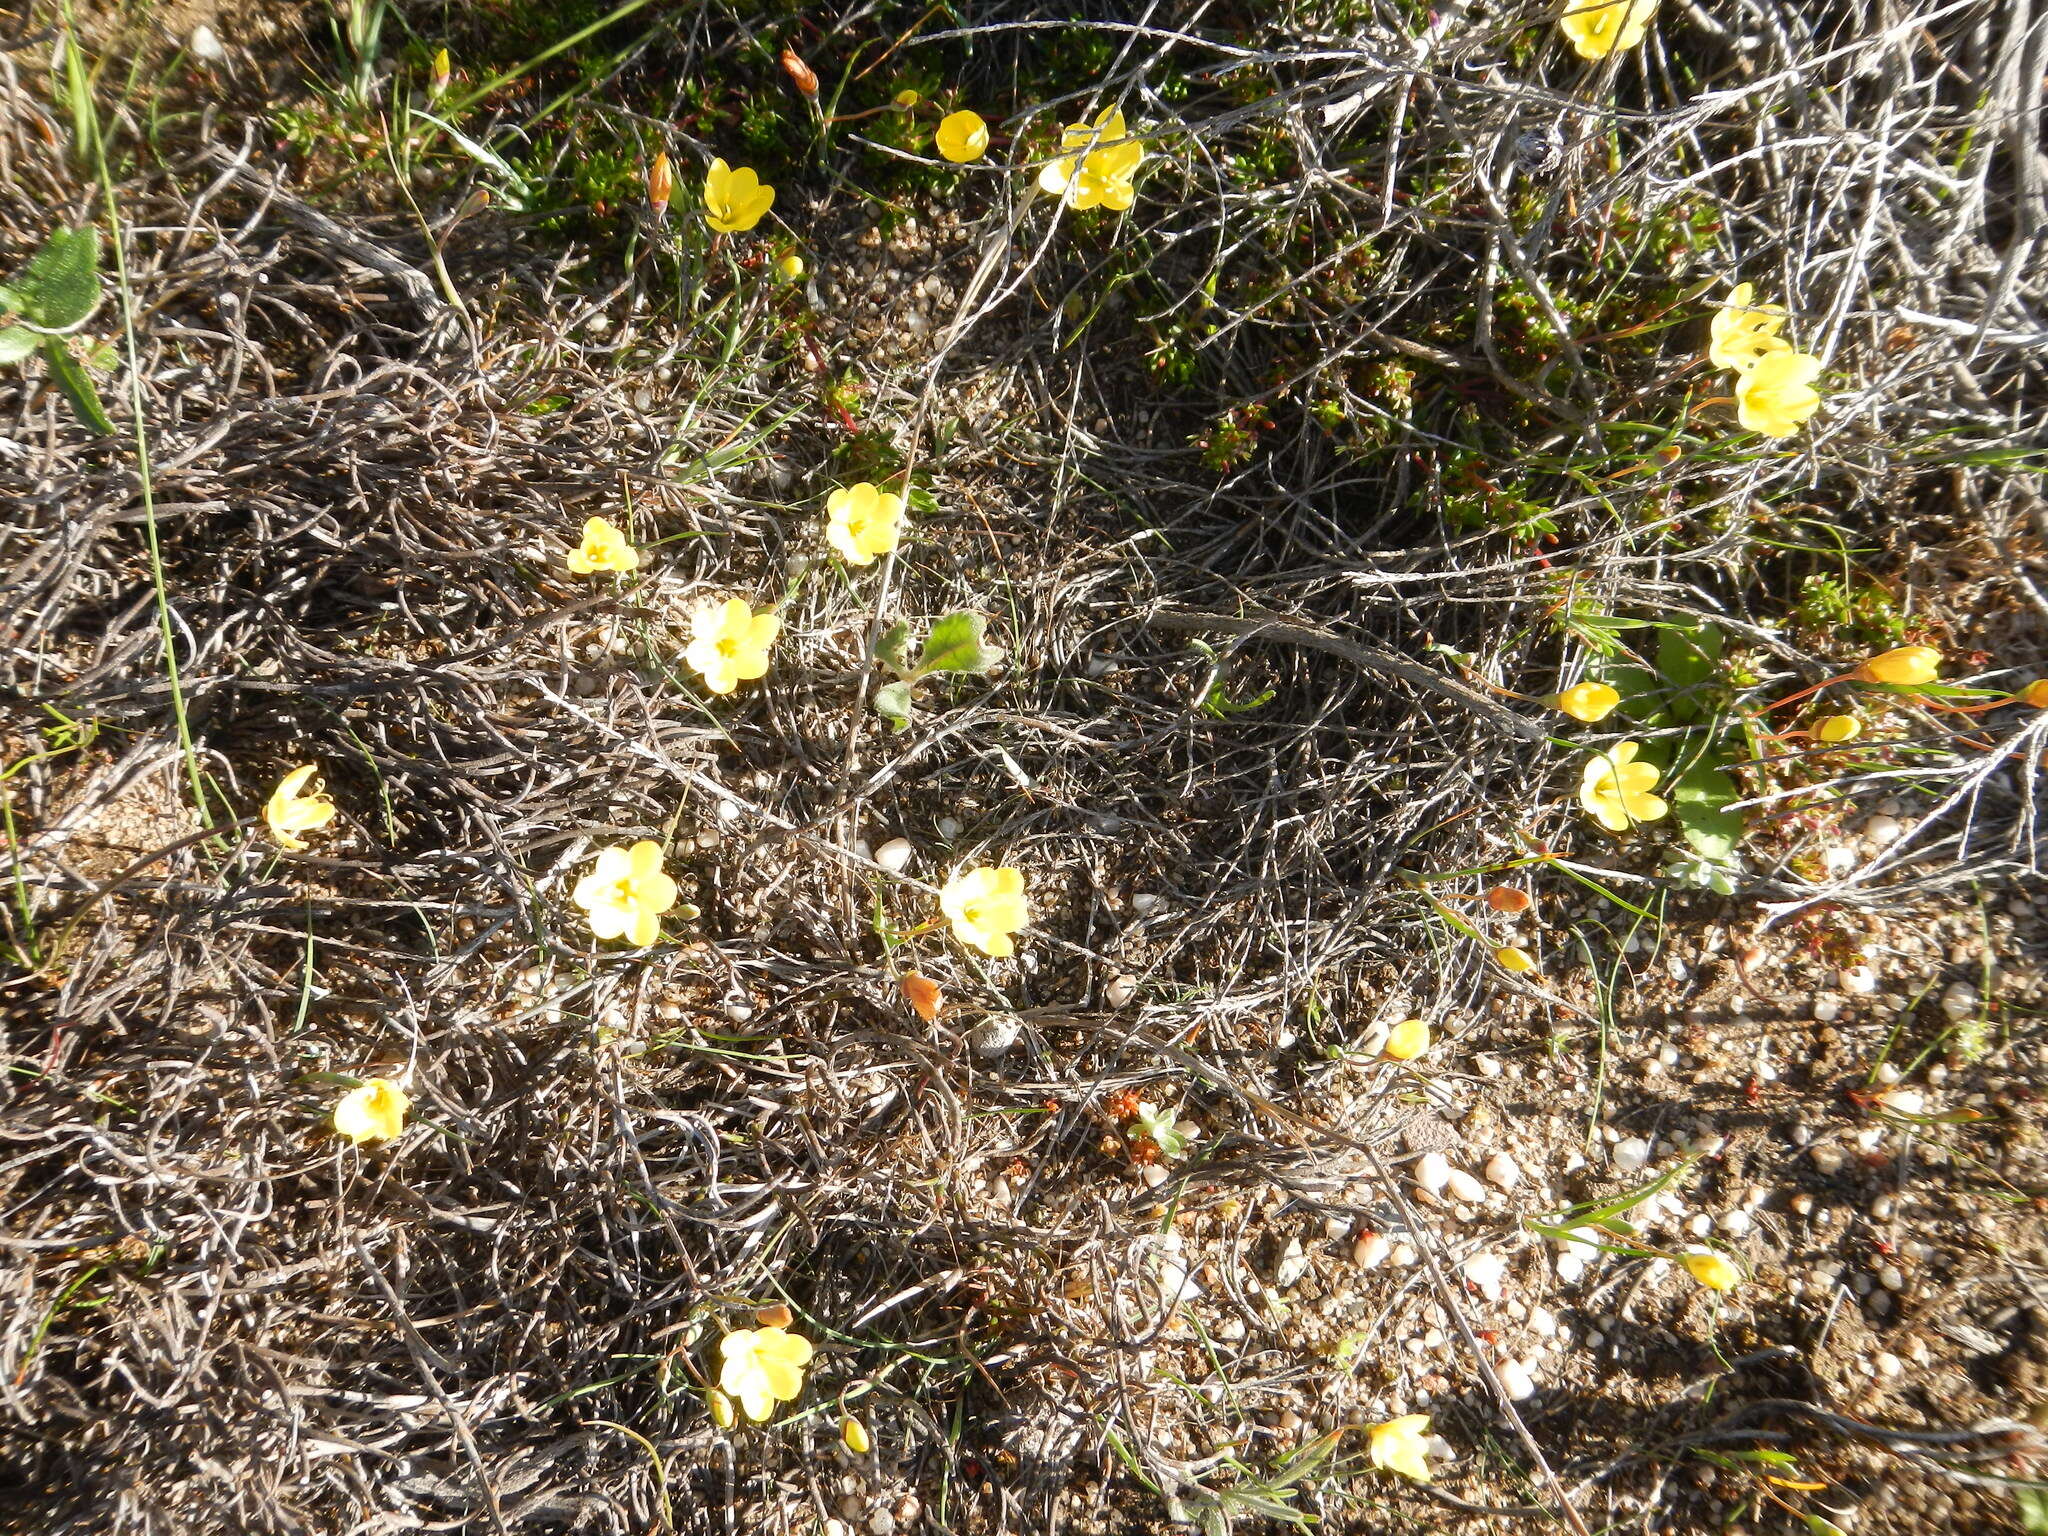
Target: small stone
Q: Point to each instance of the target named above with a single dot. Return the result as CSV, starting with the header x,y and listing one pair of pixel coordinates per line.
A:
x,y
1802,1204
1883,831
1371,1250
1121,990
1889,1364
1542,1322
1155,1174
205,45
1837,860
1860,979
895,855
1502,1171
1828,1157
1292,1264
1631,1155
1827,1007
1892,1278
1405,1256
728,810
1882,1207
1904,1101
1485,1271
1144,903
1886,1074
949,827
1959,1002
1516,1381
994,1035
1700,1225
1432,1172
1734,1223
1463,1188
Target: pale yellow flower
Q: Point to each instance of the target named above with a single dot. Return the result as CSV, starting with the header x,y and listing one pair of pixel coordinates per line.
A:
x,y
1744,332
1836,729
763,1366
373,1111
1097,169
1597,27
729,643
1716,1271
962,136
1401,1445
1776,396
735,200
985,907
1407,1040
289,813
1615,789
1590,702
1904,666
862,522
626,893
604,548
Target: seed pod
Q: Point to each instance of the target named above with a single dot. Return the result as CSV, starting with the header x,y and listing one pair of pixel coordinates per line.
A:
x,y
854,1434
801,75
1506,898
776,1316
722,1413
661,185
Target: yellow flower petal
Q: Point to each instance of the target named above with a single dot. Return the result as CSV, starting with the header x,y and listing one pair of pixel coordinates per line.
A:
x,y
1776,396
986,906
962,137
1407,1040
290,812
1716,1271
1401,1445
1905,666
604,548
374,1111
1743,332
735,200
1597,28
1588,702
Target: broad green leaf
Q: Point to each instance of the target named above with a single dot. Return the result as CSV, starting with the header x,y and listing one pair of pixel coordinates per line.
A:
x,y
892,703
956,644
16,342
889,649
2033,1508
1642,699
1700,797
1687,656
77,386
61,283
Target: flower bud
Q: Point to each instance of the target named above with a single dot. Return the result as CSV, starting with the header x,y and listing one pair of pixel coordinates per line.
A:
x,y
854,1435
791,268
2035,694
1513,959
1836,729
1507,898
777,1316
443,72
1407,1040
1588,702
722,1413
661,185
1905,666
801,75
1716,1271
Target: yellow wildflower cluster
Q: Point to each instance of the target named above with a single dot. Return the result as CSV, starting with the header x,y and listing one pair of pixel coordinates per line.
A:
x,y
1774,391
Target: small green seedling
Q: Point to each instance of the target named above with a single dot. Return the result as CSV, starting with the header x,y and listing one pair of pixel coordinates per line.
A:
x,y
957,643
46,302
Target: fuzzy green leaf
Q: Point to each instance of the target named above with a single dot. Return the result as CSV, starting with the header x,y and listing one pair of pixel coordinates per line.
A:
x,y
77,386
957,644
892,703
1700,797
1687,656
889,649
16,342
61,283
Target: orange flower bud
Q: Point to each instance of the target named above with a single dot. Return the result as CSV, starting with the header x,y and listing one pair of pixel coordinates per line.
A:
x,y
801,75
661,184
1506,898
2035,694
1905,666
776,1316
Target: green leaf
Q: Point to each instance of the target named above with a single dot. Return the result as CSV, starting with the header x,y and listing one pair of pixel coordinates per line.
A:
x,y
77,386
892,703
61,283
889,649
1700,797
956,644
1642,700
2033,1508
16,342
1687,656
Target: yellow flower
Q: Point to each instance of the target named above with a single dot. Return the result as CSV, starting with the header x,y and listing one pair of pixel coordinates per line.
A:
x,y
1513,959
1716,1271
1836,729
1589,702
1615,789
626,893
1776,396
1905,666
854,1435
375,1111
290,812
2035,694
791,267
734,200
985,907
763,1366
1744,332
1097,169
604,548
862,522
1402,1445
729,643
1597,27
1407,1040
907,98
962,136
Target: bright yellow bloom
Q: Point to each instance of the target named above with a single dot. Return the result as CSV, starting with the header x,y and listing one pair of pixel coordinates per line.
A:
x,y
290,813
375,1111
734,200
1589,702
962,136
1402,1445
791,267
1615,789
1513,959
862,522
2035,694
907,98
729,643
1776,396
854,1436
1597,27
1097,169
763,1366
1407,1040
626,893
1836,729
1905,666
985,907
604,548
1716,1271
1744,332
